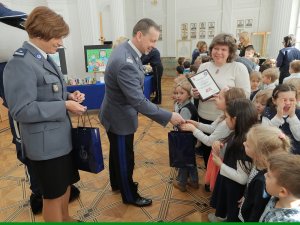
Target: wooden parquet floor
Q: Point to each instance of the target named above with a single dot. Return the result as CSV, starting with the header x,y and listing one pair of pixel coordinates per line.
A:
x,y
97,203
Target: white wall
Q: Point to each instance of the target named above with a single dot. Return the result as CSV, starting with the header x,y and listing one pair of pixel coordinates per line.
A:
x,y
83,19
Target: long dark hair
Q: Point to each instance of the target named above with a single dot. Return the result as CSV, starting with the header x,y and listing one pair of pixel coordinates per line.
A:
x,y
244,111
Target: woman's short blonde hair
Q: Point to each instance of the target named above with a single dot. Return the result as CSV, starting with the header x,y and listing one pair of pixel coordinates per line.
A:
x,y
246,37
46,24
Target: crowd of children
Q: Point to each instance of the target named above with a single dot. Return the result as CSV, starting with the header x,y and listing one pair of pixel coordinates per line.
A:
x,y
255,145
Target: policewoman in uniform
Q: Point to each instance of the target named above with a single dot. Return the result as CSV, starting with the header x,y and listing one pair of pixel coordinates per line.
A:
x,y
123,99
37,98
153,58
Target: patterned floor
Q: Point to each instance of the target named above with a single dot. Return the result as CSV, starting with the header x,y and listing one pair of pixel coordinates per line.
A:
x,y
97,202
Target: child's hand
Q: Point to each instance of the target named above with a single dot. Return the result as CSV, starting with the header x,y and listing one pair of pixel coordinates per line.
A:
x,y
187,127
217,160
279,108
292,109
216,147
240,202
195,123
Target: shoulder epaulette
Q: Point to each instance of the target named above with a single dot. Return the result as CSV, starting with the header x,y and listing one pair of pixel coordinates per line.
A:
x,y
20,52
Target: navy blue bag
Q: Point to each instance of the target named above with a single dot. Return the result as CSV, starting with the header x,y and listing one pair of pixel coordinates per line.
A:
x,y
181,148
87,150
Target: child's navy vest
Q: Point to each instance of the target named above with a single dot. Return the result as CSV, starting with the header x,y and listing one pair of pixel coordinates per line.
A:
x,y
270,113
191,107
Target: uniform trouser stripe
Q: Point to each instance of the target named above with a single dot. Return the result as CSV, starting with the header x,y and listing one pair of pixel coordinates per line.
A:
x,y
124,168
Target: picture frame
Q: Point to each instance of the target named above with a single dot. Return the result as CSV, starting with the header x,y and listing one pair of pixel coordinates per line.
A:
x,y
211,33
205,84
193,30
183,48
184,31
202,26
211,25
248,23
202,34
240,24
160,33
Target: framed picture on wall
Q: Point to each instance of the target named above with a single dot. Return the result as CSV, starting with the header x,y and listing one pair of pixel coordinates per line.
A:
x,y
211,25
240,24
202,26
248,23
202,34
183,48
184,31
211,33
193,32
160,33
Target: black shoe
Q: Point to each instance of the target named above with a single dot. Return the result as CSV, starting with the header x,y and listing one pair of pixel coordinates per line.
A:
x,y
207,187
36,203
140,202
74,193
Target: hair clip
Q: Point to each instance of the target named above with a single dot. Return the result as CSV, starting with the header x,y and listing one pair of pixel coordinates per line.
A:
x,y
281,136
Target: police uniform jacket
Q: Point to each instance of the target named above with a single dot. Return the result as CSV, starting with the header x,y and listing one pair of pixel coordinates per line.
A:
x,y
124,97
36,94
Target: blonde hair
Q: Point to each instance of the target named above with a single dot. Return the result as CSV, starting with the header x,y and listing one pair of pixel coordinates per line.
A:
x,y
286,169
264,96
272,73
119,40
185,85
267,140
255,74
295,66
246,36
201,44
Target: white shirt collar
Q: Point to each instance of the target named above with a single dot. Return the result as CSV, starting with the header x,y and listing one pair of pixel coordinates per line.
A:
x,y
135,48
44,54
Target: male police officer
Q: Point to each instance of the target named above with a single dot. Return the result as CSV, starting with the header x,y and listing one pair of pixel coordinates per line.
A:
x,y
124,98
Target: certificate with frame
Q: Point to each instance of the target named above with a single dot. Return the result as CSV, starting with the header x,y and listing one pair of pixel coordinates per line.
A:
x,y
205,84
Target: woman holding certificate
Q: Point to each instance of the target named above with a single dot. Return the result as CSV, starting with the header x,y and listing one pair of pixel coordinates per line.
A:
x,y
226,73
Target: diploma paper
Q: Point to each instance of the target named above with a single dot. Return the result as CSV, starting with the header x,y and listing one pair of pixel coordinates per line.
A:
x,y
205,84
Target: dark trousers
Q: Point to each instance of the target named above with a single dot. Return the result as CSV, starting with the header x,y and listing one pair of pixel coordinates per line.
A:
x,y
157,74
34,186
17,141
121,164
206,149
282,76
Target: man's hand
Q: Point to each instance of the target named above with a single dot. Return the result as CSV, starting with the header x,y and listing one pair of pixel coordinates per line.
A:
x,y
176,119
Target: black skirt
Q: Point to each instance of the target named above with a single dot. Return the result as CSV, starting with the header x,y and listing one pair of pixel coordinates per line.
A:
x,y
55,175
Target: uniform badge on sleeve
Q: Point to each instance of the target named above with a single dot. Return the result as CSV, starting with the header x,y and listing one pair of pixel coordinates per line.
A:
x,y
129,59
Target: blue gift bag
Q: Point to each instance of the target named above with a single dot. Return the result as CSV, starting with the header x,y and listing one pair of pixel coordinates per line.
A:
x,y
181,148
87,150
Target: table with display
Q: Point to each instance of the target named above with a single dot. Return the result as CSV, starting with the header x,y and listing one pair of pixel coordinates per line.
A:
x,y
94,93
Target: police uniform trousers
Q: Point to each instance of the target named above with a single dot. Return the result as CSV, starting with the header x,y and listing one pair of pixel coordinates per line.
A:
x,y
157,74
33,180
121,165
